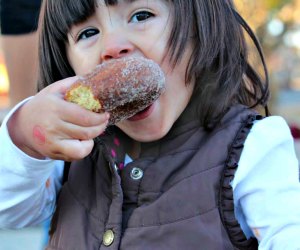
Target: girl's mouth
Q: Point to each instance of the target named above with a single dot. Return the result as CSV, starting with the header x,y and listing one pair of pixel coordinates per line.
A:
x,y
142,114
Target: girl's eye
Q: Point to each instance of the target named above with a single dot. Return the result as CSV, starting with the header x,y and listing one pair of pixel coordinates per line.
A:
x,y
87,33
141,16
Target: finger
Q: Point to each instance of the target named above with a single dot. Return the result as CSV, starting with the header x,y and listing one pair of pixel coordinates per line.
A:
x,y
78,149
82,133
73,113
71,150
68,111
61,86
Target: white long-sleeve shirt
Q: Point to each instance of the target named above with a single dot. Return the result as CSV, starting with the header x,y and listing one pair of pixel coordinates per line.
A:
x,y
266,185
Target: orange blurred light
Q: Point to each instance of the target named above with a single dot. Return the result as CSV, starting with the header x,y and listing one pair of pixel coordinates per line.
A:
x,y
4,84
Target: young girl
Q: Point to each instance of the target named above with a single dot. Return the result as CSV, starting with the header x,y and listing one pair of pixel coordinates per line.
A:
x,y
198,169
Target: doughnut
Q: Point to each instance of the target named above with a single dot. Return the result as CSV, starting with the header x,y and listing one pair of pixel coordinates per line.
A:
x,y
121,87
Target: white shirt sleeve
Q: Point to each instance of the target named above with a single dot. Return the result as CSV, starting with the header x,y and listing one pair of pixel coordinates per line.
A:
x,y
28,186
266,186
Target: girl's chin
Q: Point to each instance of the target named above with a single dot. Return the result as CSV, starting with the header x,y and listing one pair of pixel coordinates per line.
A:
x,y
144,132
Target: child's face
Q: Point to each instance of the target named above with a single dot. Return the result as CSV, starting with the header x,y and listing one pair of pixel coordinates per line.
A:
x,y
141,29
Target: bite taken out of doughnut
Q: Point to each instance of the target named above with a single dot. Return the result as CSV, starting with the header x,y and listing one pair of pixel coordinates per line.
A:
x,y
121,87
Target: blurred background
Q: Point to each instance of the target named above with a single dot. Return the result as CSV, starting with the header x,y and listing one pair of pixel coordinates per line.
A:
x,y
277,26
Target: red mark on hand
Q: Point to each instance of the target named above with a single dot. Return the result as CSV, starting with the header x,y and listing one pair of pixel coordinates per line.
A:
x,y
39,135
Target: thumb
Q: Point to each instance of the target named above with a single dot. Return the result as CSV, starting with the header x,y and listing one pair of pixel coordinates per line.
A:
x,y
63,85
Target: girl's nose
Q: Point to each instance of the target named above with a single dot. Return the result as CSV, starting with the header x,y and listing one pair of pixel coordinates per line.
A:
x,y
116,46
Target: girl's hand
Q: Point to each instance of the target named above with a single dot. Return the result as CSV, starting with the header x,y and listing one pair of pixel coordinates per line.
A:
x,y
49,126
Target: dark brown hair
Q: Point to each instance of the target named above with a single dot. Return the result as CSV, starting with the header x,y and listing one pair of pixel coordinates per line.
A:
x,y
219,63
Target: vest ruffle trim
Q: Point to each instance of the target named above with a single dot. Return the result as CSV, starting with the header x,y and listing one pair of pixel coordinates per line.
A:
x,y
226,204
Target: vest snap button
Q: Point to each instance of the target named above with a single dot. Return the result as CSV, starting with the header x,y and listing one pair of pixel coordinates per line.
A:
x,y
108,237
116,167
136,173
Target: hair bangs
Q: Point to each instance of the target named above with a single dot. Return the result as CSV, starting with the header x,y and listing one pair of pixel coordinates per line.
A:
x,y
67,13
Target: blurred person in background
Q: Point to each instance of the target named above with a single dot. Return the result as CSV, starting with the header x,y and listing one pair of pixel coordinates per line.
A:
x,y
19,40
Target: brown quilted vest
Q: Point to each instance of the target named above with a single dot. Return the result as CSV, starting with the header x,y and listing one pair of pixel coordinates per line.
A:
x,y
177,195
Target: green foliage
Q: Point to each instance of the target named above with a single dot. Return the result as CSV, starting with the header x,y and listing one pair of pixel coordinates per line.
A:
x,y
275,4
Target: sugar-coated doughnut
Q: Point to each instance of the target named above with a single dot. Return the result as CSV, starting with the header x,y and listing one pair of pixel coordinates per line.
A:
x,y
122,87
